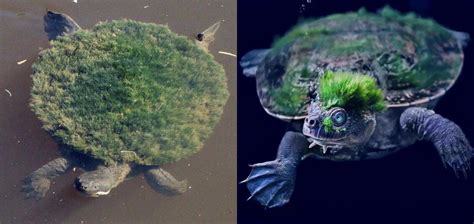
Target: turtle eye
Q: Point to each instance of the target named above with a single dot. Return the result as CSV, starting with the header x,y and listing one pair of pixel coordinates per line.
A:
x,y
339,117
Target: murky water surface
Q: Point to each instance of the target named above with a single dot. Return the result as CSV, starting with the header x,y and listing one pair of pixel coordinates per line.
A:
x,y
24,146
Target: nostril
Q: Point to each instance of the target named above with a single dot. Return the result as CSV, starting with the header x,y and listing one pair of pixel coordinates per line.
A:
x,y
78,184
311,122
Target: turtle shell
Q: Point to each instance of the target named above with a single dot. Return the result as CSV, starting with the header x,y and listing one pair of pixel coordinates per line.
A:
x,y
128,91
413,59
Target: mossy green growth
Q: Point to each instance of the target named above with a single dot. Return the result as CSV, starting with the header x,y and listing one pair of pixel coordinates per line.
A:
x,y
290,97
350,91
327,124
299,31
128,91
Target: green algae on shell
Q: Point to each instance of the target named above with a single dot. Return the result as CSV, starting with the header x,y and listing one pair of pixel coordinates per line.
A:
x,y
413,59
128,91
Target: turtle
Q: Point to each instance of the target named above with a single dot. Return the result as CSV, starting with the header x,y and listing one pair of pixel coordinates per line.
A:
x,y
122,99
355,86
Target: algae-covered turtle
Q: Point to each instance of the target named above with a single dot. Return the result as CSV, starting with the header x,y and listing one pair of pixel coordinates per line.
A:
x,y
124,96
356,86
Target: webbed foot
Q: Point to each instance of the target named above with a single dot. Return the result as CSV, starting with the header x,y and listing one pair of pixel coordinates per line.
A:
x,y
38,183
164,182
271,183
455,150
36,186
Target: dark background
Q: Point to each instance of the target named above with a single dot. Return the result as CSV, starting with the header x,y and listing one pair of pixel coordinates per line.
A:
x,y
408,187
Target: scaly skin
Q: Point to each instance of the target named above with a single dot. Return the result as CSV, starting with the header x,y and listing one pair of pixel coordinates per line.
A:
x,y
271,183
38,183
165,183
446,136
100,180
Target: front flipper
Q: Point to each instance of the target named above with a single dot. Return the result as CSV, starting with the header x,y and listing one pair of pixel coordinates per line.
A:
x,y
57,24
38,183
447,137
271,183
164,182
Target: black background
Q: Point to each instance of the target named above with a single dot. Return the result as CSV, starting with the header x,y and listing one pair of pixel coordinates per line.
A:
x,y
408,187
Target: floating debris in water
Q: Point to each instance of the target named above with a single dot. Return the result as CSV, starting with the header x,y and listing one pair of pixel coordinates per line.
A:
x,y
75,1
21,62
302,8
303,5
8,91
146,6
227,53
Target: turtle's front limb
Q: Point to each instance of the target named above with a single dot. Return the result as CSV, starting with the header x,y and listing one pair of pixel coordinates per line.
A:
x,y
101,181
38,183
447,137
164,182
271,183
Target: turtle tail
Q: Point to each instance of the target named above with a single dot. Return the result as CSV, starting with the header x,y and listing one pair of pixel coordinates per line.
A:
x,y
251,60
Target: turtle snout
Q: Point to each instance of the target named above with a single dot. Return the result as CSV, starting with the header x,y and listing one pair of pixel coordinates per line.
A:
x,y
79,186
311,121
87,188
312,126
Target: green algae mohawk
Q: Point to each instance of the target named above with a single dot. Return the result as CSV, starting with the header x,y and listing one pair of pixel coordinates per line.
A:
x,y
350,91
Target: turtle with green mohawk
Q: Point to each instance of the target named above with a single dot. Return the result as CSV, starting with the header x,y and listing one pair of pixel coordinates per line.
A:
x,y
356,86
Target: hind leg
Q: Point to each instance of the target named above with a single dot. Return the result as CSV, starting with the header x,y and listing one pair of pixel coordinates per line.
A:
x,y
164,182
38,183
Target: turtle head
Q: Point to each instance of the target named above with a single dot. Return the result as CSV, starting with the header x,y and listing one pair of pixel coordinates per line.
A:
x,y
102,180
93,185
345,113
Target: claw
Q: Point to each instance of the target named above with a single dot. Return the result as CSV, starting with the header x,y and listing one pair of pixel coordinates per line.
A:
x,y
314,143
270,183
325,149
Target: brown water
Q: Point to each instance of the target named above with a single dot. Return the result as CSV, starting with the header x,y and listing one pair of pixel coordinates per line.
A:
x,y
24,146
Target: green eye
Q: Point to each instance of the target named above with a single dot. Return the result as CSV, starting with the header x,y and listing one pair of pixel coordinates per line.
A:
x,y
339,117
